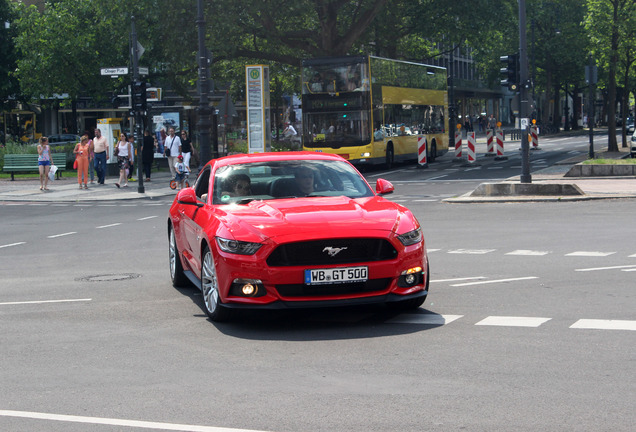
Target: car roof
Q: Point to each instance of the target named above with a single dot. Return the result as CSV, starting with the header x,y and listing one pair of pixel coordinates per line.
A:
x,y
274,156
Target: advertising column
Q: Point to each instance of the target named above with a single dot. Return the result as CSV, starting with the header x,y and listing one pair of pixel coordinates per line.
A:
x,y
111,129
258,116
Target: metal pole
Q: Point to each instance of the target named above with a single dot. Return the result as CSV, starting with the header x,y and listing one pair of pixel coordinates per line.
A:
x,y
203,124
451,98
138,116
590,110
523,94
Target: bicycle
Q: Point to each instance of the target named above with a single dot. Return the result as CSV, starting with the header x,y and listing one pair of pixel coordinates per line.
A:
x,y
174,183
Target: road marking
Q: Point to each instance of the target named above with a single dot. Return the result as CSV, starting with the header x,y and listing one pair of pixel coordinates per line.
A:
x,y
62,235
45,301
433,250
495,281
438,177
427,319
425,200
510,321
590,254
597,324
147,217
108,226
606,268
632,256
629,270
119,422
471,251
528,252
12,244
459,279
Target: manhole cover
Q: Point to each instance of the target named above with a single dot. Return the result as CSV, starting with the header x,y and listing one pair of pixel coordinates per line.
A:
x,y
109,277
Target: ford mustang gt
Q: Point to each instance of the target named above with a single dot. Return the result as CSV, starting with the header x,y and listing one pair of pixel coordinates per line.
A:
x,y
294,230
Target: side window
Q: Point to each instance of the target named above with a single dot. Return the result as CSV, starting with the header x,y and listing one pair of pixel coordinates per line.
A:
x,y
202,185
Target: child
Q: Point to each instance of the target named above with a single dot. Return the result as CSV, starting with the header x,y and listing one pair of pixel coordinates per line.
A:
x,y
181,169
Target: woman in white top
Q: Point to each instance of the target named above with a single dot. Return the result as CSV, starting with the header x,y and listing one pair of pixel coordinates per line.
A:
x,y
123,152
44,162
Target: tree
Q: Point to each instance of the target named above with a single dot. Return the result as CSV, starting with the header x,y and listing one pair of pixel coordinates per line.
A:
x,y
606,21
9,87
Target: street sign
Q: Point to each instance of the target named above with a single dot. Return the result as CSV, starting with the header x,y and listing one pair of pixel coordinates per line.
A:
x,y
142,70
114,71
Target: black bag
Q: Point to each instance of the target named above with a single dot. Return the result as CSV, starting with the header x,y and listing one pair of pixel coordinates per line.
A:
x,y
167,152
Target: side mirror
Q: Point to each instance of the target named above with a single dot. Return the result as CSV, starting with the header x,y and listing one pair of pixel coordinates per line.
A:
x,y
383,187
188,197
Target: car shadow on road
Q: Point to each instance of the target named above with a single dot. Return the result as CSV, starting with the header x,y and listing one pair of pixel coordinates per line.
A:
x,y
333,323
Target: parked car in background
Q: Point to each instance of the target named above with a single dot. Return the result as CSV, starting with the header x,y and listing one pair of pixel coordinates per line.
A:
x,y
294,230
632,147
629,124
63,139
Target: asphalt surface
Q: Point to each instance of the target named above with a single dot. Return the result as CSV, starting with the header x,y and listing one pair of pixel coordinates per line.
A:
x,y
66,189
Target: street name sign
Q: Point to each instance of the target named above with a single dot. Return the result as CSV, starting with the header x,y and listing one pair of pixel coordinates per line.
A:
x,y
114,71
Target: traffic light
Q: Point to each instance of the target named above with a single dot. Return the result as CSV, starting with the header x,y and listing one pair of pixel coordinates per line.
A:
x,y
138,93
510,73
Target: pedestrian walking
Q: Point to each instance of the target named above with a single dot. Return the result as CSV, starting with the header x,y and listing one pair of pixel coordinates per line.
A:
x,y
186,148
91,160
131,159
148,153
82,151
492,122
172,149
100,149
123,151
44,162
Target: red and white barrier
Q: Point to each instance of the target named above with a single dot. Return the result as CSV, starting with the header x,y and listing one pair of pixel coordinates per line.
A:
x,y
422,152
471,147
534,131
500,145
491,142
458,145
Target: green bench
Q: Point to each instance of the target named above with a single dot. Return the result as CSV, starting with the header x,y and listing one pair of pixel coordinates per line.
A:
x,y
24,163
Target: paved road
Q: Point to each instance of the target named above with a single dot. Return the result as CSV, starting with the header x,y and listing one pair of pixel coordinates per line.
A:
x,y
529,326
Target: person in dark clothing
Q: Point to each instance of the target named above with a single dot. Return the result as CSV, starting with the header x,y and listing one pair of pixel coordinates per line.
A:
x,y
148,153
186,148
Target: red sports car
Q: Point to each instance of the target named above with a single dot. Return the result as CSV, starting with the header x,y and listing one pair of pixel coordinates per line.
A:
x,y
294,230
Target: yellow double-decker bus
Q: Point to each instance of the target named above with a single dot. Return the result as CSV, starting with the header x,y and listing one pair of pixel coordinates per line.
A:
x,y
372,110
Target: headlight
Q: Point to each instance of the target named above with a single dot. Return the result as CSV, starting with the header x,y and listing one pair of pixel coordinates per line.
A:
x,y
411,237
237,247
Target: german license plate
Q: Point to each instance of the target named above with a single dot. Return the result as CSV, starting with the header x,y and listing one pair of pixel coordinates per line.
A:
x,y
336,275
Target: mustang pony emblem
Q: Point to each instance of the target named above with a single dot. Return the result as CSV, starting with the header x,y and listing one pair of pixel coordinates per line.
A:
x,y
332,251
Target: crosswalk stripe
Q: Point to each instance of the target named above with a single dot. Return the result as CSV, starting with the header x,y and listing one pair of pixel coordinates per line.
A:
x,y
528,252
598,324
511,321
426,319
590,254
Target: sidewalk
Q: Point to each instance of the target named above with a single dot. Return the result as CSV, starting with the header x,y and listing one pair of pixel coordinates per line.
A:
x,y
550,184
66,189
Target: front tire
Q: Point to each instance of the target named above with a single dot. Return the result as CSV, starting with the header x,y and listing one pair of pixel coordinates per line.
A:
x,y
210,288
177,275
390,156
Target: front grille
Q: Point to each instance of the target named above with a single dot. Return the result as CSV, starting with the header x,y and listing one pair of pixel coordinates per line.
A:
x,y
352,250
301,290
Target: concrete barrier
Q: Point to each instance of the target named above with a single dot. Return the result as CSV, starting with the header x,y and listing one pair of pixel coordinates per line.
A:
x,y
507,189
592,170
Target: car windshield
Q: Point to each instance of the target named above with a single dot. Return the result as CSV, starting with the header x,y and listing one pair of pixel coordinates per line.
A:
x,y
242,183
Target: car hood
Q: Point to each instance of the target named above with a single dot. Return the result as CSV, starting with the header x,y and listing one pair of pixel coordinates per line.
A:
x,y
283,220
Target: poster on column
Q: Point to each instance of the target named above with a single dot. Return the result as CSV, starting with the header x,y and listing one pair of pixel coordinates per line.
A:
x,y
258,112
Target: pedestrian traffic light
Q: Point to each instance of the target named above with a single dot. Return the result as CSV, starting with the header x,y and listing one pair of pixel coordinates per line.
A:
x,y
138,92
510,73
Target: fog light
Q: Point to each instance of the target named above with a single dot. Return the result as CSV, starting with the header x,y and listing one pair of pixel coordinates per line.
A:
x,y
248,289
410,277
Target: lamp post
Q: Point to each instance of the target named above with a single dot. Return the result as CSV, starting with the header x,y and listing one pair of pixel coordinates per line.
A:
x,y
203,125
523,95
138,117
